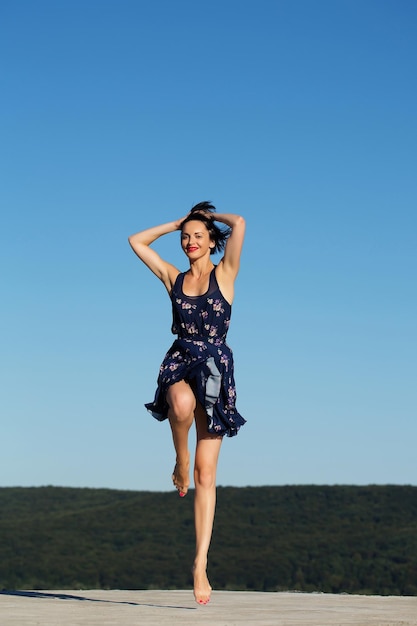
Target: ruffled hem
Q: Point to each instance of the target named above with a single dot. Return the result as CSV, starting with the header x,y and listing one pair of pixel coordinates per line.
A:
x,y
214,395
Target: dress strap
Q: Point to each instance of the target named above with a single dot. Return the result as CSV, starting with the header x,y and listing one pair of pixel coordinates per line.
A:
x,y
213,284
178,283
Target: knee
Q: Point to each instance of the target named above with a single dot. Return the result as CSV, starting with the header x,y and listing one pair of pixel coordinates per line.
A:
x,y
205,476
181,405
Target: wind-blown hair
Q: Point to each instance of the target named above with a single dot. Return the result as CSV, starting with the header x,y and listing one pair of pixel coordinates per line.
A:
x,y
218,235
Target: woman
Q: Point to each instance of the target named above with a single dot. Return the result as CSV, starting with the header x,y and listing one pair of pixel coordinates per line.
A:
x,y
196,382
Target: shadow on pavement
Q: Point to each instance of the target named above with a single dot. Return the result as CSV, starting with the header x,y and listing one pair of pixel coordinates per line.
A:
x,y
67,596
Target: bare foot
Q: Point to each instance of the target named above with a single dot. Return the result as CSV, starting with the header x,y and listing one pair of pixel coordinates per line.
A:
x,y
181,476
202,587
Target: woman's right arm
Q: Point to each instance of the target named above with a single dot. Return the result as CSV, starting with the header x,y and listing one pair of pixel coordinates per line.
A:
x,y
140,244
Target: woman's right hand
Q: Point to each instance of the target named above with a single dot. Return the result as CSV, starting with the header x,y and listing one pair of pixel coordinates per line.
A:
x,y
204,212
180,221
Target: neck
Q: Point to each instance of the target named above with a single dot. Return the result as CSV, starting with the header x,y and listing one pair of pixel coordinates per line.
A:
x,y
200,268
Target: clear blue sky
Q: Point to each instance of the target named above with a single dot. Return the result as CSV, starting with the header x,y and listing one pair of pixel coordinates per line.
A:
x,y
118,115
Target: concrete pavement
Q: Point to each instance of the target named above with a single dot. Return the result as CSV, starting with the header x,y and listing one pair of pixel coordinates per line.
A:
x,y
227,608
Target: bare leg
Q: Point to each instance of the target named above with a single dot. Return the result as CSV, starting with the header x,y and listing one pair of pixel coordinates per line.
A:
x,y
182,405
206,457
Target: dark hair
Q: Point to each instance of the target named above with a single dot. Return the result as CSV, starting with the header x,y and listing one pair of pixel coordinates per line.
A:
x,y
218,235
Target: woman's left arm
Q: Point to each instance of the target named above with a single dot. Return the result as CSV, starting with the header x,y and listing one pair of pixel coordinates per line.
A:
x,y
233,248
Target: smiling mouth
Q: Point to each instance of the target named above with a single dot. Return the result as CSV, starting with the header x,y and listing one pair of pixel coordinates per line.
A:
x,y
192,248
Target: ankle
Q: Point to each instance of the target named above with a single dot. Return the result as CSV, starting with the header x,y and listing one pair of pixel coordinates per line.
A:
x,y
200,564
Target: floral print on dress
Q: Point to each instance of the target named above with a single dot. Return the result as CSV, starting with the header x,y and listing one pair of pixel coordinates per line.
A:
x,y
201,355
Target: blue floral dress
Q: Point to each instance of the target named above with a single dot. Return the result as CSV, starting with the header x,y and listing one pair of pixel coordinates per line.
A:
x,y
201,356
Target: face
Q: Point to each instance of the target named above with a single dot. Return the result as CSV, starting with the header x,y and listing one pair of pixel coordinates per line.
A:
x,y
195,239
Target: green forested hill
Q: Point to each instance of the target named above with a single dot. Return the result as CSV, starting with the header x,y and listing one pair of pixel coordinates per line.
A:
x,y
310,538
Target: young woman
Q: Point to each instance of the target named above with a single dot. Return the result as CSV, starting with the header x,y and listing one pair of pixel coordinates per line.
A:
x,y
196,382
